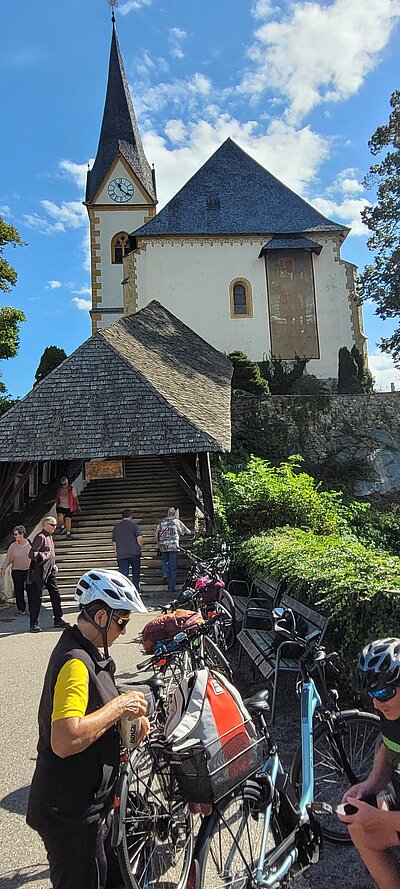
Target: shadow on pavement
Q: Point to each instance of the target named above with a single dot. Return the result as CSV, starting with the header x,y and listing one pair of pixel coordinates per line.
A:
x,y
12,624
13,879
16,801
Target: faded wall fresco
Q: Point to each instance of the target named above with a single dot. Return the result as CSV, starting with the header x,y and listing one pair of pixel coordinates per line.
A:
x,y
291,302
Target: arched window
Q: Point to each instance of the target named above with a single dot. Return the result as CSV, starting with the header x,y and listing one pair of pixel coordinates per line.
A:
x,y
240,298
119,247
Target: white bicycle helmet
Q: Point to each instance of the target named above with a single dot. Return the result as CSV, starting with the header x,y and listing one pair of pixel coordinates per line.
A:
x,y
379,665
111,587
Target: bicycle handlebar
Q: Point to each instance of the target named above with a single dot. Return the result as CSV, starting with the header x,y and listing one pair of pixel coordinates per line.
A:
x,y
179,641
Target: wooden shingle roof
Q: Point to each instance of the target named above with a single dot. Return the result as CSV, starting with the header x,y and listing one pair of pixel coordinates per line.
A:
x,y
146,385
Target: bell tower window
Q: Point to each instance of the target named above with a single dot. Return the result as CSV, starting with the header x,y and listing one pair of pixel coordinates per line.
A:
x,y
119,247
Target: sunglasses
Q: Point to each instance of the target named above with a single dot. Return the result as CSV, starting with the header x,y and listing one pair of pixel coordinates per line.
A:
x,y
383,695
121,621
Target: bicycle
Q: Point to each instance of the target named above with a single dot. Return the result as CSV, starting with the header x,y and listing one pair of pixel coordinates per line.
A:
x,y
265,832
214,598
152,828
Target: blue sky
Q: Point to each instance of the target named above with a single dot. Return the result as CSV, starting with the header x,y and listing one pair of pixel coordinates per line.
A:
x,y
300,85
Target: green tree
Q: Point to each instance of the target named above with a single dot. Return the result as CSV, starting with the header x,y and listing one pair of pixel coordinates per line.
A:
x,y
10,319
347,373
51,358
281,375
8,235
246,375
365,378
380,281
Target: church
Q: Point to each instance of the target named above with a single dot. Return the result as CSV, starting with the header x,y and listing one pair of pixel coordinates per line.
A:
x,y
236,255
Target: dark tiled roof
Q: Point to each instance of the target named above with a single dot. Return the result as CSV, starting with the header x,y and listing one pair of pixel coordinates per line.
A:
x,y
146,385
294,243
233,194
119,131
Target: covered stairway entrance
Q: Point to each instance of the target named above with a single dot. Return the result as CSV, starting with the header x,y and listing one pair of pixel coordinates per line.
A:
x,y
148,489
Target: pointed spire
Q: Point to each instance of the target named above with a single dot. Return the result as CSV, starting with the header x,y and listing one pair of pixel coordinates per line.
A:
x,y
119,130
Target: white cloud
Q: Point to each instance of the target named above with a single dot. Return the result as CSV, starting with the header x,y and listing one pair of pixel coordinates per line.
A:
x,y
348,211
347,183
5,210
53,285
262,9
318,52
70,214
291,154
383,370
184,95
83,291
82,304
76,172
33,220
133,5
175,130
176,36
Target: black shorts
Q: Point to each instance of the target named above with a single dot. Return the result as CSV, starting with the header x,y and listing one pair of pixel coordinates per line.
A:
x,y
65,512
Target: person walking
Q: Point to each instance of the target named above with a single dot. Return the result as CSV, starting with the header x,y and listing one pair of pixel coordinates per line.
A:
x,y
127,542
42,572
167,535
66,504
18,557
73,786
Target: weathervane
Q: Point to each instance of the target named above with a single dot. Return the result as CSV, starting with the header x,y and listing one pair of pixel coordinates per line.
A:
x,y
113,4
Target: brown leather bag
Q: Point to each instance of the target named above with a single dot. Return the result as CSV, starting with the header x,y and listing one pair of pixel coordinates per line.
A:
x,y
166,626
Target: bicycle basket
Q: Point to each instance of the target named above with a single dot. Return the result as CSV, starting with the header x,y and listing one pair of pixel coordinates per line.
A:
x,y
212,742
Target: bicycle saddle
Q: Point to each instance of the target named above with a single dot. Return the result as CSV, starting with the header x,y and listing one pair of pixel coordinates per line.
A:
x,y
258,702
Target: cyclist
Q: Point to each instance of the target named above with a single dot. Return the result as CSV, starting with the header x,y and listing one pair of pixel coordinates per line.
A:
x,y
79,747
376,832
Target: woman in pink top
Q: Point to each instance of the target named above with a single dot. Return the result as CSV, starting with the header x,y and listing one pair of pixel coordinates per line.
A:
x,y
17,557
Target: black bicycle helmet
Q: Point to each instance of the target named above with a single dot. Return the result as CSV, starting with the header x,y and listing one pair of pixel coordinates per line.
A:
x,y
379,665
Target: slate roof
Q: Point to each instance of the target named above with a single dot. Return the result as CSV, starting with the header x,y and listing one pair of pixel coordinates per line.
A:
x,y
120,133
294,243
145,385
233,194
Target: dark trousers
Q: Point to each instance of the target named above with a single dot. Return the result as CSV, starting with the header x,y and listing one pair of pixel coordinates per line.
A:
x,y
34,592
134,563
77,859
19,578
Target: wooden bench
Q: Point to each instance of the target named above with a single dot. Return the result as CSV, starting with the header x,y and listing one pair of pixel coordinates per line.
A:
x,y
262,593
257,637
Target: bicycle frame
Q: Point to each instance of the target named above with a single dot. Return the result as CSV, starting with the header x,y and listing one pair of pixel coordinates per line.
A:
x,y
309,701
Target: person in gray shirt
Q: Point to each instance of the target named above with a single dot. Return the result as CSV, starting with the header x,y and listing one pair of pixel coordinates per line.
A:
x,y
127,542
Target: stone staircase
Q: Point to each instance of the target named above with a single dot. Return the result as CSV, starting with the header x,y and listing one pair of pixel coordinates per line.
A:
x,y
149,489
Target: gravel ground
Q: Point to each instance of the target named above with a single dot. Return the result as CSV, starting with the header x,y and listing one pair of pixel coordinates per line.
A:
x,y
23,660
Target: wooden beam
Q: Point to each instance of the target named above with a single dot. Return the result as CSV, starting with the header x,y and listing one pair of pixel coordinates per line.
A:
x,y
190,472
206,487
14,469
10,499
183,483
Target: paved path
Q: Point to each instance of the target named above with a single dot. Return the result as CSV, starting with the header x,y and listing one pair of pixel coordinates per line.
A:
x,y
23,659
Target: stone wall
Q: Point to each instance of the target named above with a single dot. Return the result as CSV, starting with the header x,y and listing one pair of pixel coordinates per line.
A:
x,y
344,429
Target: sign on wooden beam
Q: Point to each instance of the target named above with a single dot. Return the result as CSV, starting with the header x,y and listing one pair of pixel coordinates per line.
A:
x,y
104,469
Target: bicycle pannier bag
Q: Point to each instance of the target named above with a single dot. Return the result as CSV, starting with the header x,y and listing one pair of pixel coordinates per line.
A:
x,y
209,589
211,740
166,626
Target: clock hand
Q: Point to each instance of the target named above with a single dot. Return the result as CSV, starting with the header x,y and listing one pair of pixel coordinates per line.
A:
x,y
121,189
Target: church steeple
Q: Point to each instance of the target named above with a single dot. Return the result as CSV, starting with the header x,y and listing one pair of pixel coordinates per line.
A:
x,y
120,133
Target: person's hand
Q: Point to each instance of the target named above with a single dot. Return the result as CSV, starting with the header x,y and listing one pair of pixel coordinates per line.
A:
x,y
56,568
133,704
357,791
144,729
366,818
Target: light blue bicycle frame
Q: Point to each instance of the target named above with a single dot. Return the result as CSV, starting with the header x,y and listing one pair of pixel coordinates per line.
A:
x,y
309,701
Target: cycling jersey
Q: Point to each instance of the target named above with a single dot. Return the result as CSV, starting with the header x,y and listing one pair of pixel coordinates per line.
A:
x,y
77,789
391,738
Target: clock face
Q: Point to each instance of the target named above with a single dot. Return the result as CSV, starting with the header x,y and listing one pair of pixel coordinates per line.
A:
x,y
120,190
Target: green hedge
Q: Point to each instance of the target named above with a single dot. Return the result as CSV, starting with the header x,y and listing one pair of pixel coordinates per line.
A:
x,y
338,575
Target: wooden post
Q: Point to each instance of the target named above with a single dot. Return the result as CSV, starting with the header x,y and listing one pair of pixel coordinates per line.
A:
x,y
206,487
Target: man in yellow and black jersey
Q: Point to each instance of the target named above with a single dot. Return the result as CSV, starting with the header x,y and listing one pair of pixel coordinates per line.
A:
x,y
376,831
79,742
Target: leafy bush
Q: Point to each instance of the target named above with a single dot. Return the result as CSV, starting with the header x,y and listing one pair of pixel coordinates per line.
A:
x,y
263,496
308,384
246,375
338,575
376,524
280,375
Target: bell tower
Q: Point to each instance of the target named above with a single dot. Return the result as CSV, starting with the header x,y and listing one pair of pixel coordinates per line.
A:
x,y
120,192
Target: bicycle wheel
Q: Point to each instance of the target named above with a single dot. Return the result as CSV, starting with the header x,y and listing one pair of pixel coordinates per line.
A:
x,y
214,658
358,733
229,843
157,832
174,669
228,630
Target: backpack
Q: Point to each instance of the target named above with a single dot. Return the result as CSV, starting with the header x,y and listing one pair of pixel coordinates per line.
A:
x,y
211,741
166,626
209,588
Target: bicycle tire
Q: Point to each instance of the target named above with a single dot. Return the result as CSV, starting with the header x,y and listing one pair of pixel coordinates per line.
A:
x,y
176,667
228,630
359,733
214,657
228,845
156,843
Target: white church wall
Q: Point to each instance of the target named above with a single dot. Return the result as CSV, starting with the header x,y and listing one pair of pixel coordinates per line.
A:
x,y
192,280
111,274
